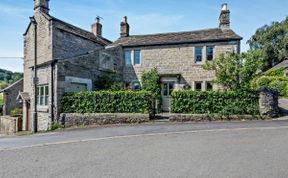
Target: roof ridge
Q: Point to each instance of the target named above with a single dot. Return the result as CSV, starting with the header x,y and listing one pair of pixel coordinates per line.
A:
x,y
50,17
13,84
205,29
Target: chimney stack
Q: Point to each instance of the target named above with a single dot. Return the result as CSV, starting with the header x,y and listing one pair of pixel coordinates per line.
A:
x,y
224,19
97,27
124,27
42,5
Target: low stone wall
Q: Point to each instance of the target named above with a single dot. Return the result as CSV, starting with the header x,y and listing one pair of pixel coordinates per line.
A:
x,y
8,125
206,118
69,120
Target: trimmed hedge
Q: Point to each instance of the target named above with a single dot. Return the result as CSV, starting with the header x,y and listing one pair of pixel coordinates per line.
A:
x,y
280,84
215,102
107,102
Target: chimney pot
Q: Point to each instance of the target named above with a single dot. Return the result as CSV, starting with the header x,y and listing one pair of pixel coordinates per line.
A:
x,y
224,19
124,27
97,27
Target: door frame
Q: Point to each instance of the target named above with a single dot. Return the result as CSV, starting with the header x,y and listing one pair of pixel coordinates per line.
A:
x,y
167,98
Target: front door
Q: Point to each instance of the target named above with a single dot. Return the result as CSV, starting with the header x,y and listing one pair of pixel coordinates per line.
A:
x,y
167,88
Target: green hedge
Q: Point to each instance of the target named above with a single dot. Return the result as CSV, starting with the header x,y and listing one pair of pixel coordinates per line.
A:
x,y
279,84
215,102
107,102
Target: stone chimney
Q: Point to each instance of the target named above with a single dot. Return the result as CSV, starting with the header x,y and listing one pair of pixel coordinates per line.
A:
x,y
97,27
124,27
41,5
224,19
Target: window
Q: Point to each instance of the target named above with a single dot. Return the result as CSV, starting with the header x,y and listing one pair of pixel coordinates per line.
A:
x,y
167,88
209,53
42,95
128,60
136,86
209,86
137,57
198,86
198,54
105,61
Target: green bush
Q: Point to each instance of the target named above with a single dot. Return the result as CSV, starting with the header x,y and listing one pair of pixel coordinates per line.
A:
x,y
151,82
276,83
107,102
16,112
56,126
215,102
278,72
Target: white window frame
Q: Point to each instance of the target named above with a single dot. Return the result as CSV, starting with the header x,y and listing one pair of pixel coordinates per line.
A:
x,y
45,97
134,57
195,60
212,53
131,56
106,61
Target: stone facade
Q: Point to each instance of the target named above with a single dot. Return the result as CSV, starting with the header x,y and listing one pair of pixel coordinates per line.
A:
x,y
10,97
56,41
9,125
176,59
72,59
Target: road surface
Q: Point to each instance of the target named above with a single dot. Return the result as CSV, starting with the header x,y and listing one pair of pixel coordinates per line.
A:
x,y
233,149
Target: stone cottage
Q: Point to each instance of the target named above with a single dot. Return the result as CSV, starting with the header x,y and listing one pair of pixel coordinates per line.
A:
x,y
67,58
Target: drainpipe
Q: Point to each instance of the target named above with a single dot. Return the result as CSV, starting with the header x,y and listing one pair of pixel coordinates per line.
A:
x,y
35,79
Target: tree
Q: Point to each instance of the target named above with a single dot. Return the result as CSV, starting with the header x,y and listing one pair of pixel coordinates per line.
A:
x,y
235,71
272,40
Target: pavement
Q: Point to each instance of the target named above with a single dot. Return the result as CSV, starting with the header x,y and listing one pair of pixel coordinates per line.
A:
x,y
230,149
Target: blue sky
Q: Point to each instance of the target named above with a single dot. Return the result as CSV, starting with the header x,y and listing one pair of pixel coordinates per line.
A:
x,y
144,17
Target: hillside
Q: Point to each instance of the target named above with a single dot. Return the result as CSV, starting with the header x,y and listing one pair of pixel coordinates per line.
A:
x,y
7,77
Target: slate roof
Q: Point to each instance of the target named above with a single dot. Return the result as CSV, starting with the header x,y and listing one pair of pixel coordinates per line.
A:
x,y
11,86
282,64
79,31
206,35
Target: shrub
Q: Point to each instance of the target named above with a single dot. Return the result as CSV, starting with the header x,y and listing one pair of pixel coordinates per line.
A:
x,y
56,126
16,112
276,83
215,102
151,82
107,102
108,81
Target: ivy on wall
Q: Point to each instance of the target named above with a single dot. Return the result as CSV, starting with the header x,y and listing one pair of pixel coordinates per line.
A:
x,y
151,82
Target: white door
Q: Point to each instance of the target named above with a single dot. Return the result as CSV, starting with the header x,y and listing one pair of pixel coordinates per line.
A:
x,y
167,88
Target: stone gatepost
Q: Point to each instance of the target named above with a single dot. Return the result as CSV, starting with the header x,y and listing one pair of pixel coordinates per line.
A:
x,y
268,103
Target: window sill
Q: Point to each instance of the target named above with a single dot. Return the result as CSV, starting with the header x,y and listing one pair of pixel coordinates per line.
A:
x,y
43,108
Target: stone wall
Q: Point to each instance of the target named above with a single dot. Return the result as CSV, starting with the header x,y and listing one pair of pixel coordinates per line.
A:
x,y
208,118
85,67
68,44
10,97
8,125
176,59
268,103
69,120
